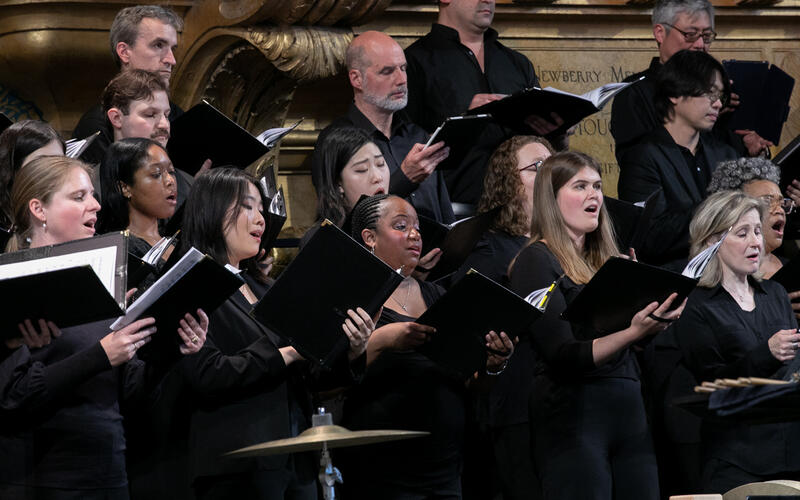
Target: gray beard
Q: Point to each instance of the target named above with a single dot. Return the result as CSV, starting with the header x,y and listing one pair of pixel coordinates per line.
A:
x,y
386,103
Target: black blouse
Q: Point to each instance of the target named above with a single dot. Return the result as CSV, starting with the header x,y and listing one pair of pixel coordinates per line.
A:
x,y
720,340
406,390
564,349
61,420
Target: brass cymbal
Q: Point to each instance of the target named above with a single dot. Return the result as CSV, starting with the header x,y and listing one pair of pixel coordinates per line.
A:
x,y
311,439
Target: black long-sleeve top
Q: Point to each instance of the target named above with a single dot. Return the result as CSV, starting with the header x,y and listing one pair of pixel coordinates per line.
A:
x,y
720,340
243,393
444,76
406,390
564,349
60,412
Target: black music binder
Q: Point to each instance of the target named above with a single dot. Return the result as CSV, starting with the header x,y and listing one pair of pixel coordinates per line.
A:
x,y
460,134
472,307
196,281
620,289
308,303
455,240
630,220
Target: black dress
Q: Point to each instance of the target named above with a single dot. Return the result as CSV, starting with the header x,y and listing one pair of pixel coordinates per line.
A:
x,y
405,390
61,421
243,393
720,340
586,420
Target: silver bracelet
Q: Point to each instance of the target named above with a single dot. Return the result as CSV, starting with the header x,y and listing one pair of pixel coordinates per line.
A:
x,y
498,372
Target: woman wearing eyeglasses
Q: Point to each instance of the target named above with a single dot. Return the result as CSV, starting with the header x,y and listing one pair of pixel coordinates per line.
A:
x,y
759,178
504,407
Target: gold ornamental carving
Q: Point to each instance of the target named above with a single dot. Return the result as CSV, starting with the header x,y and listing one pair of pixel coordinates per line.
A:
x,y
304,54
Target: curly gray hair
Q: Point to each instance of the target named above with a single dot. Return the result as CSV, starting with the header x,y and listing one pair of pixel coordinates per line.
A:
x,y
733,174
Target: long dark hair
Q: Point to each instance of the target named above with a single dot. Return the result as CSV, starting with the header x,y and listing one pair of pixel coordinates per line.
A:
x,y
122,160
337,148
16,143
214,204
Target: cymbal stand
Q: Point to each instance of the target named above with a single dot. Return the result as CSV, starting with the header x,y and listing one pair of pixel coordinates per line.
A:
x,y
328,474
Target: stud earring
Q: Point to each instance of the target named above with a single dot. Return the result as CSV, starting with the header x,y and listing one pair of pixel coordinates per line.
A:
x,y
44,226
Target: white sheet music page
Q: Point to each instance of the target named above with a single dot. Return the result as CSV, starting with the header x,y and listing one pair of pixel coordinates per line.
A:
x,y
102,260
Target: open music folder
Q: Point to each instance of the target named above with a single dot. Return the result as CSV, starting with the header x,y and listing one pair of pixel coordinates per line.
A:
x,y
620,289
308,303
514,110
455,240
196,281
472,307
204,132
69,284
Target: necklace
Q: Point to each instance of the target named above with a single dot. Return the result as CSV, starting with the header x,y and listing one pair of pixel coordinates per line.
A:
x,y
404,304
739,297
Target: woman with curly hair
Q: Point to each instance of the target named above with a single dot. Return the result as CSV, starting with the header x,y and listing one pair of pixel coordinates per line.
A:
x,y
503,408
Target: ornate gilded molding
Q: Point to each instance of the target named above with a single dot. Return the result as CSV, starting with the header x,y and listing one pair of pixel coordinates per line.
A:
x,y
305,54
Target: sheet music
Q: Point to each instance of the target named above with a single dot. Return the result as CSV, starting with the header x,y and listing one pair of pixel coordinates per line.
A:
x,y
102,260
157,289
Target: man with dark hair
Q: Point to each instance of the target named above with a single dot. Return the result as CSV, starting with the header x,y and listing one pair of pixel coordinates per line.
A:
x,y
136,105
678,157
461,65
376,68
142,37
677,25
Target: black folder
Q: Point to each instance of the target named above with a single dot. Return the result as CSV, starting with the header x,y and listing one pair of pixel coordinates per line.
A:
x,y
472,307
308,303
630,220
512,111
620,289
204,133
205,286
67,297
118,240
764,91
138,271
460,134
456,240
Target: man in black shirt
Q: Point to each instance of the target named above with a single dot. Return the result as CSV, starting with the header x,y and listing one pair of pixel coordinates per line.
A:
x,y
142,37
678,157
376,68
461,65
677,25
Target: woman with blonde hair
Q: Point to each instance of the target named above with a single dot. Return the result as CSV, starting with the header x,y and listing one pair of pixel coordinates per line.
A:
x,y
586,406
736,325
60,399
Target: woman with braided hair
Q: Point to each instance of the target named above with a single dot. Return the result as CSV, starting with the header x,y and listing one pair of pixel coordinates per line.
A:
x,y
401,388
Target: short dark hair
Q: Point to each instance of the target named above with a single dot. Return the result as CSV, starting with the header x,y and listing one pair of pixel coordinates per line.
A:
x,y
214,203
123,158
125,27
336,150
131,85
688,73
16,143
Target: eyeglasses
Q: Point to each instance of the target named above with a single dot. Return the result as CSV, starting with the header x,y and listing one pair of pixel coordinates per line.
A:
x,y
708,36
533,167
716,95
775,201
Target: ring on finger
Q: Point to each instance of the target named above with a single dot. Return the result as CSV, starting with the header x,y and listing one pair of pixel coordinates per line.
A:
x,y
794,346
195,339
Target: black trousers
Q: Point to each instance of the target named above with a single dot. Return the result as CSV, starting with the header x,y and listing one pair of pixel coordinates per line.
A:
x,y
15,492
592,440
514,459
279,484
